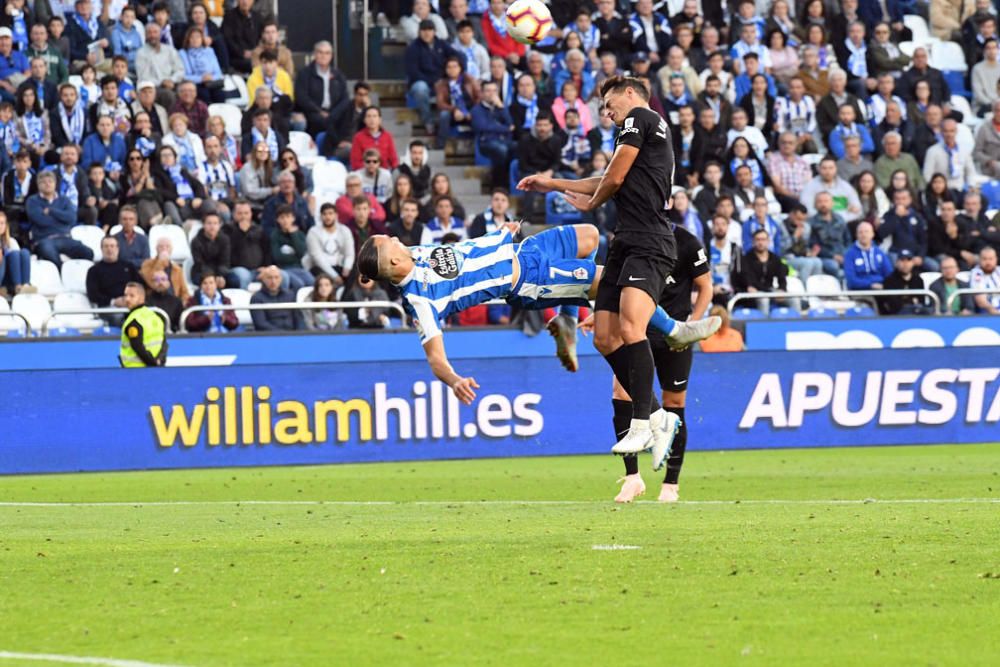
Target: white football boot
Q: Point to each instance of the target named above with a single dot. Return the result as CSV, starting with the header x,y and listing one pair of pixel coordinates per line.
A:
x,y
664,426
638,439
692,331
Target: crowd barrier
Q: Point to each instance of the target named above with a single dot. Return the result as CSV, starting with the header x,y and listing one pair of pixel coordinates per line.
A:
x,y
360,411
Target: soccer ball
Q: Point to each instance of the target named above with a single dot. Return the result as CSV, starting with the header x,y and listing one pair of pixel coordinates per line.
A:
x,y
528,21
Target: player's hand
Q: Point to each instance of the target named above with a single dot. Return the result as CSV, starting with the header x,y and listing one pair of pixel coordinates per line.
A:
x,y
513,227
578,201
535,183
586,327
463,389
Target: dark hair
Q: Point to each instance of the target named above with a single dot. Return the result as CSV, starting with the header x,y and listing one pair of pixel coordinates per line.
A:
x,y
463,24
798,207
409,200
261,112
368,260
778,31
362,85
417,142
119,59
269,55
450,237
159,6
500,191
618,84
108,79
327,206
19,107
573,111
361,200
750,55
283,210
760,231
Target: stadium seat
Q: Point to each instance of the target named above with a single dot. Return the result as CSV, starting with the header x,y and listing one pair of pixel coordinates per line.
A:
x,y
117,228
821,313
303,294
175,233
948,56
908,48
479,159
929,277
45,276
76,81
860,311
825,285
784,313
956,82
90,236
235,89
74,274
231,116
748,314
35,307
193,230
60,332
239,297
329,179
320,138
813,159
106,331
918,26
554,217
514,167
963,276
991,193
960,104
74,301
304,147
9,322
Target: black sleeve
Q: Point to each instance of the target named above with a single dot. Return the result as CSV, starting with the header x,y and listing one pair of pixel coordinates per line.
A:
x,y
637,128
134,334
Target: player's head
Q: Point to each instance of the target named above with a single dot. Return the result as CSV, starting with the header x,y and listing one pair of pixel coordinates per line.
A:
x,y
383,257
621,94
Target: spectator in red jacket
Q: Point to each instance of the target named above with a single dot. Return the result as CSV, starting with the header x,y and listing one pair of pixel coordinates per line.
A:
x,y
498,42
372,135
345,203
211,321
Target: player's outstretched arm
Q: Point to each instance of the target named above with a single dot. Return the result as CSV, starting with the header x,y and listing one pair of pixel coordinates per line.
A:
x,y
541,183
609,183
464,388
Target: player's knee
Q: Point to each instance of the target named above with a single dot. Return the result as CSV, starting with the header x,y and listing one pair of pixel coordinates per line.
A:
x,y
674,399
606,343
587,239
632,332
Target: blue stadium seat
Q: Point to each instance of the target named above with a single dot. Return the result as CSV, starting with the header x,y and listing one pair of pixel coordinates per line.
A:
x,y
991,193
819,313
554,217
14,333
63,331
784,313
748,314
320,138
860,311
480,160
956,81
106,331
514,166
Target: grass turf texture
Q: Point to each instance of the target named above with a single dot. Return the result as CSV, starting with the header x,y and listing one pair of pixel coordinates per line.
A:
x,y
500,583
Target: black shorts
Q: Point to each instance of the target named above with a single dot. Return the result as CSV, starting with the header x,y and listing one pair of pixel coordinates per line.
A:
x,y
644,263
672,368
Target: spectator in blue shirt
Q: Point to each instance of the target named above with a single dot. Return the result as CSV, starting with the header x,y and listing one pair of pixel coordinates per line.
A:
x,y
751,68
908,230
126,37
201,66
12,63
425,58
866,266
761,220
494,131
83,28
106,147
847,127
52,216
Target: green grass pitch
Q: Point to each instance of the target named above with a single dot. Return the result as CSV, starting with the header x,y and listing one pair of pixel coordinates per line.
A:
x,y
759,567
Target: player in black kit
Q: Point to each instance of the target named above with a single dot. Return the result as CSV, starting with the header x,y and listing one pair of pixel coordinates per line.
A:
x,y
673,367
640,258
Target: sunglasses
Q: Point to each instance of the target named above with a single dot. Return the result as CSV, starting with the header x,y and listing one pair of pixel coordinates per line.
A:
x,y
135,158
371,161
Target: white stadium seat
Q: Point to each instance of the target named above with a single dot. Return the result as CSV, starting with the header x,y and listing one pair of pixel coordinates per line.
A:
x,y
45,276
181,250
961,105
929,277
947,56
117,228
965,140
239,297
304,147
236,84
35,307
908,48
826,285
74,274
90,236
231,116
329,177
794,285
918,26
303,294
9,323
74,301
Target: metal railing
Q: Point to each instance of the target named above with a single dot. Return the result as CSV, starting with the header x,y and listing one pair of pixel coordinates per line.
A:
x,y
959,293
309,305
27,324
864,294
99,311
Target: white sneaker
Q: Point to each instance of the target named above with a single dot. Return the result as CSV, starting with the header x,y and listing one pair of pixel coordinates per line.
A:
x,y
686,333
632,488
665,426
638,439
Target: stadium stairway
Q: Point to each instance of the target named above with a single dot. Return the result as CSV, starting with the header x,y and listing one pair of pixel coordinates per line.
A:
x,y
469,183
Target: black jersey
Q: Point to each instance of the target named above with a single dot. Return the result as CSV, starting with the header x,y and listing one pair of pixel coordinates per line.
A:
x,y
692,261
641,197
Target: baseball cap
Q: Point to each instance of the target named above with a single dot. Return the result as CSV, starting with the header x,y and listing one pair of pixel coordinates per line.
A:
x,y
427,24
145,84
640,56
905,254
5,32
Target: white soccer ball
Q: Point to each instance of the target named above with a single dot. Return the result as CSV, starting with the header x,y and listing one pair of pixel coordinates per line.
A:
x,y
528,21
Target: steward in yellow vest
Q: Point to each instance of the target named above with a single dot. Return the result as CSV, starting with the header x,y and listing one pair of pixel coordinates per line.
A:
x,y
143,332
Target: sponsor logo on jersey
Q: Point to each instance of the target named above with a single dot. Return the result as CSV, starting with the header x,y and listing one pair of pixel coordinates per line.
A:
x,y
444,262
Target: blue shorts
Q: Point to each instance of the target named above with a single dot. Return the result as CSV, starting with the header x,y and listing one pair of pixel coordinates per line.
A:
x,y
551,273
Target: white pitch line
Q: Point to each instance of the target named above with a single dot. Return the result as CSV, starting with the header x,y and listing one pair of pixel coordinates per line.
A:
x,y
484,503
615,547
78,660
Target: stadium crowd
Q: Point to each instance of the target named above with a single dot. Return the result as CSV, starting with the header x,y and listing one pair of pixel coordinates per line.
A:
x,y
817,138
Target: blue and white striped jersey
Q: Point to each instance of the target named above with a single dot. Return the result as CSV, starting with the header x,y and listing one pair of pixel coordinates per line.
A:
x,y
449,278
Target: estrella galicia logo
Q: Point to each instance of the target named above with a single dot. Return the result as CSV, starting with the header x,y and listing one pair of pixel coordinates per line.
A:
x,y
444,262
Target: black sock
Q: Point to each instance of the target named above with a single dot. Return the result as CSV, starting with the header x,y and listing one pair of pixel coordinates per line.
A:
x,y
622,421
640,370
676,459
619,362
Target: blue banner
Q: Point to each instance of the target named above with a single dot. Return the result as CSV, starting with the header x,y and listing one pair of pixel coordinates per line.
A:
x,y
872,333
119,419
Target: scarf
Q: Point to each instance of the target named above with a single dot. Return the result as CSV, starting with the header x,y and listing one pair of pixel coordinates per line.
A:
x,y
824,58
33,127
272,83
73,125
692,223
185,152
758,178
67,186
499,24
20,30
856,62
868,257
21,187
184,190
607,139
217,178
798,115
216,315
8,134
89,26
145,145
471,66
271,139
458,96
954,168
531,110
